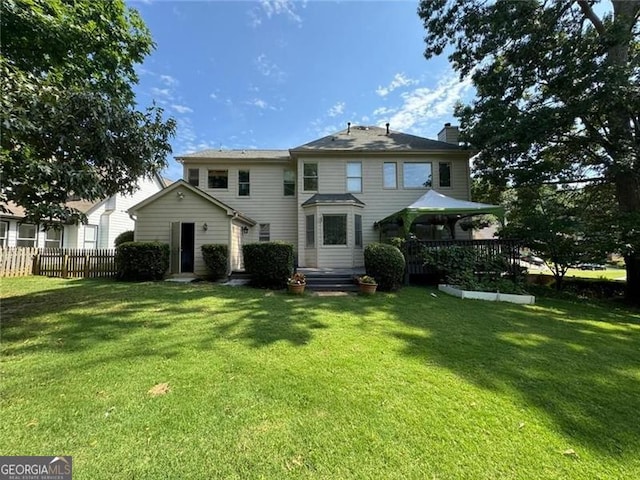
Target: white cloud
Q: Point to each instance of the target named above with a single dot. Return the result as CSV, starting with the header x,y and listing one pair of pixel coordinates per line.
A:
x,y
383,111
168,80
213,96
423,105
269,69
161,92
271,8
182,108
337,109
258,102
399,80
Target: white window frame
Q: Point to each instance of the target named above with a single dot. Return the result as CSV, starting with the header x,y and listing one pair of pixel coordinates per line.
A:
x,y
90,244
419,187
310,177
191,180
247,183
4,237
343,216
212,173
264,232
350,176
288,181
395,176
47,240
310,231
33,240
440,164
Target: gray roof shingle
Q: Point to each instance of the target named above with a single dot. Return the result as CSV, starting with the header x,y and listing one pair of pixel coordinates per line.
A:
x,y
362,138
328,198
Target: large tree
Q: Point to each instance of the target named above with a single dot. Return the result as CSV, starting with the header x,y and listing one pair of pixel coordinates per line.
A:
x,y
68,114
558,96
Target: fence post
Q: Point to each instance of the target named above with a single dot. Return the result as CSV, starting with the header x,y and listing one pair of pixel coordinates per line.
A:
x,y
86,265
65,265
36,264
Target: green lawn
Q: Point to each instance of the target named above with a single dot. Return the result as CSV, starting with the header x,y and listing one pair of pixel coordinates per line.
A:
x,y
266,385
608,274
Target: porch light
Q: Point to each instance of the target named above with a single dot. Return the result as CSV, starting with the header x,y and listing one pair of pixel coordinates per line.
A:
x,y
180,195
245,230
205,227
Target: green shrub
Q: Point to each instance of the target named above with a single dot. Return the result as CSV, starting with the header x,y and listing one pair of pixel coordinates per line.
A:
x,y
386,264
140,261
475,270
124,237
216,258
270,264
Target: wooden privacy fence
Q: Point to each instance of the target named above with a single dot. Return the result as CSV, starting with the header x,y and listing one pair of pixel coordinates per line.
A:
x,y
57,262
17,261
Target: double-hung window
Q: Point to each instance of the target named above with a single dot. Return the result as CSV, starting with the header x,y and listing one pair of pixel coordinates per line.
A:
x,y
244,185
53,238
4,232
310,173
265,232
289,183
193,177
311,231
90,236
354,177
27,235
358,230
390,175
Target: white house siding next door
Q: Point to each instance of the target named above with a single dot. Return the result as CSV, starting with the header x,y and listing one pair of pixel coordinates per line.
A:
x,y
235,252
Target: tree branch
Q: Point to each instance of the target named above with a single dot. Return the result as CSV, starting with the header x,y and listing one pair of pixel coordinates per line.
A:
x,y
590,14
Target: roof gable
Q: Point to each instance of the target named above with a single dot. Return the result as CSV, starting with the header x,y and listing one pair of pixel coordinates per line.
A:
x,y
181,183
366,139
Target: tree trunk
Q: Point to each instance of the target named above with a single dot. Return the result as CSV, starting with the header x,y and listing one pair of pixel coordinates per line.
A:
x,y
632,292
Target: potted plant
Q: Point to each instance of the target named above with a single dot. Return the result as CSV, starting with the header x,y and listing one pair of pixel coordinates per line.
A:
x,y
297,283
367,285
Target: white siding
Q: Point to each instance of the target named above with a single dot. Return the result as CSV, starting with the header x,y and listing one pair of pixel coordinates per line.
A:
x,y
379,202
267,202
153,222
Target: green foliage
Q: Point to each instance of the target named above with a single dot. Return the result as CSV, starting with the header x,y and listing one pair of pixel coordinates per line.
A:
x,y
386,264
549,222
124,237
270,264
141,261
68,113
397,242
472,270
557,98
216,258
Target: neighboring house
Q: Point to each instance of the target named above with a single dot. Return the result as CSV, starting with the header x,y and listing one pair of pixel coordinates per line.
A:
x,y
325,197
106,219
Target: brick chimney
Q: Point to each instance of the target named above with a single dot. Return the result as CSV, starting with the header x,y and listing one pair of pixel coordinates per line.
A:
x,y
449,134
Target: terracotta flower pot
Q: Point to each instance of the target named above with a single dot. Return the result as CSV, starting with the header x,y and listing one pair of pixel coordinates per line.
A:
x,y
296,288
368,288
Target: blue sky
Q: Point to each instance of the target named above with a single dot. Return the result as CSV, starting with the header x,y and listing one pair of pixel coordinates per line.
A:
x,y
275,74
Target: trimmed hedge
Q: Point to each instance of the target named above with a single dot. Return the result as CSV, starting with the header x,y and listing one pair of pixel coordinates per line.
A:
x,y
216,258
270,264
141,261
123,237
386,264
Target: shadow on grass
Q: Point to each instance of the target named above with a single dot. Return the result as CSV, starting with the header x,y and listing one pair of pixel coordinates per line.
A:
x,y
578,364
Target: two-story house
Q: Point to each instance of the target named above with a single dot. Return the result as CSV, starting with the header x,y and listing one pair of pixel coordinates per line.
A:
x,y
325,197
106,219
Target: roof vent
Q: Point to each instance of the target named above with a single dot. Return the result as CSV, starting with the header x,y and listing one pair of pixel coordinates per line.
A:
x,y
348,128
387,128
